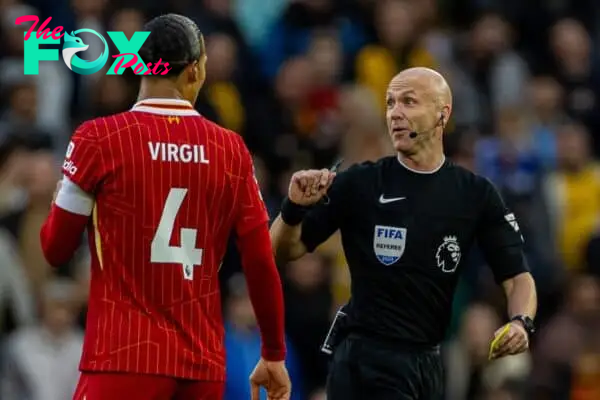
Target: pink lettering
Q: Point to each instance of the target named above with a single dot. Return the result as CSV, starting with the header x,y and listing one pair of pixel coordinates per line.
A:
x,y
28,18
148,71
138,68
56,33
157,66
42,31
167,69
128,64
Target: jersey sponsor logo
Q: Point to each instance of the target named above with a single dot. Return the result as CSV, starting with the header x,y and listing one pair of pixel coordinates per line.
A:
x,y
384,200
69,167
389,243
448,254
70,149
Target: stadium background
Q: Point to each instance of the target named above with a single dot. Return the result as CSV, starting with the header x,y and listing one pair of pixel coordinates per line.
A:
x,y
303,82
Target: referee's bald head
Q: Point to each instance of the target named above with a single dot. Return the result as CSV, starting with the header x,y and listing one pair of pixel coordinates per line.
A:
x,y
419,104
431,82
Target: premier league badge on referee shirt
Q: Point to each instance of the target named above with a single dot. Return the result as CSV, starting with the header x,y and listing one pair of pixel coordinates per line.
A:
x,y
448,254
389,243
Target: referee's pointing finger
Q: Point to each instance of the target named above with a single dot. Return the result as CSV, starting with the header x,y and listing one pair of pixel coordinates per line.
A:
x,y
324,178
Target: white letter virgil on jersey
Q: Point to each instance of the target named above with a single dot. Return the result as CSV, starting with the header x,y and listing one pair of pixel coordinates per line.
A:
x,y
389,243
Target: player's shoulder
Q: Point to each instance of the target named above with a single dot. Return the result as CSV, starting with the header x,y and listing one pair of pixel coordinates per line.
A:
x,y
228,138
88,129
98,127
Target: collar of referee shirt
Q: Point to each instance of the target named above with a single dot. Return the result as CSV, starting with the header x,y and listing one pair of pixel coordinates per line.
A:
x,y
165,107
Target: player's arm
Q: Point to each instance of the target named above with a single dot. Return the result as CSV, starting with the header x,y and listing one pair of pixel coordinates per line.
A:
x,y
264,283
501,241
70,211
309,216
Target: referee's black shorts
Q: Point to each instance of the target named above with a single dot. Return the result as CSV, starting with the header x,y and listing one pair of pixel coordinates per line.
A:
x,y
368,369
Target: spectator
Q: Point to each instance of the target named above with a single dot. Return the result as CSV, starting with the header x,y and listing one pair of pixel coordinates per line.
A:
x,y
242,344
573,195
23,225
309,310
398,48
578,71
469,375
487,74
12,169
545,95
290,36
222,97
42,361
569,342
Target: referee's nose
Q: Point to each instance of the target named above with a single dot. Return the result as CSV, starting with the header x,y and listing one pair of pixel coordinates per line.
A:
x,y
396,114
397,111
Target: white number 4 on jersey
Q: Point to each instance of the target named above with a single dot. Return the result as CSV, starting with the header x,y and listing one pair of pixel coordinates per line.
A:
x,y
186,254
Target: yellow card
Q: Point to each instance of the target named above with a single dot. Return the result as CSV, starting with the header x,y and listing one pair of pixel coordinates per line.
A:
x,y
497,339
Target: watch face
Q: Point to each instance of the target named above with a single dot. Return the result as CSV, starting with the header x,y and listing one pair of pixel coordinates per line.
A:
x,y
529,326
527,323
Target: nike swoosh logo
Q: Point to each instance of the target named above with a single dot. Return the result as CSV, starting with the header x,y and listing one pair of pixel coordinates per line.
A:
x,y
383,200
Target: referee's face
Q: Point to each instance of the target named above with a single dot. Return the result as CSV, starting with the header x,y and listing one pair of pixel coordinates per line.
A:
x,y
410,108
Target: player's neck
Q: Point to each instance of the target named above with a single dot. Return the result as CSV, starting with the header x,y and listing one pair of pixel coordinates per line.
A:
x,y
160,89
425,161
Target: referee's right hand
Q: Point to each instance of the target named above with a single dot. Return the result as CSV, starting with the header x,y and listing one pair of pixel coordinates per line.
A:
x,y
309,186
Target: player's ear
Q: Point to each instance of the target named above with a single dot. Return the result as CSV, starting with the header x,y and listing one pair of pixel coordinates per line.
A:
x,y
199,70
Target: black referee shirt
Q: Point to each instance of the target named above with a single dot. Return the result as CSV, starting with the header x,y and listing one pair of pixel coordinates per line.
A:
x,y
405,236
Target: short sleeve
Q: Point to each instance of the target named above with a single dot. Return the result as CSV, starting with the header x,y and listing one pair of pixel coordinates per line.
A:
x,y
252,211
327,216
82,164
499,236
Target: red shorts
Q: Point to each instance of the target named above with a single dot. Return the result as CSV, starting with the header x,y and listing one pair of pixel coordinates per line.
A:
x,y
123,386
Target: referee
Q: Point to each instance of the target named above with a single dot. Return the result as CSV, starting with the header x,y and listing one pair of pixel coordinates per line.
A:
x,y
407,223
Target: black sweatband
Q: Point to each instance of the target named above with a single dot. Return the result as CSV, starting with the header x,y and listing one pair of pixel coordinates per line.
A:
x,y
291,213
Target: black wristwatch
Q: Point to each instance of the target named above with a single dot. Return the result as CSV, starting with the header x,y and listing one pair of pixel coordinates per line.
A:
x,y
527,323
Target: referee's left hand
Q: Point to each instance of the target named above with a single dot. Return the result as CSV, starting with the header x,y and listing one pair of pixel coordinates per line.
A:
x,y
515,341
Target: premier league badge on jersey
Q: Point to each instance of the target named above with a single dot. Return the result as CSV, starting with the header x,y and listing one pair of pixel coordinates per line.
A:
x,y
448,254
389,243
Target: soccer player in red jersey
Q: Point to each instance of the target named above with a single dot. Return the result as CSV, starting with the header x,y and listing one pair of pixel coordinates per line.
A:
x,y
160,189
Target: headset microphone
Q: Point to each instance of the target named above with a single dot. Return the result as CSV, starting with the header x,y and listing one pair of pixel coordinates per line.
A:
x,y
414,134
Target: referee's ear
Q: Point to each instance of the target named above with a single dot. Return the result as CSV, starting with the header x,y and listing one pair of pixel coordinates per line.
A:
x,y
445,115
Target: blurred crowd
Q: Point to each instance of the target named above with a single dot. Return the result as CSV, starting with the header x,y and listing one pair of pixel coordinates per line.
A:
x,y
303,82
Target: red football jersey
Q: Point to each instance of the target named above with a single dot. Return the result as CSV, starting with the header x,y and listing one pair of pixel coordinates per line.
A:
x,y
169,188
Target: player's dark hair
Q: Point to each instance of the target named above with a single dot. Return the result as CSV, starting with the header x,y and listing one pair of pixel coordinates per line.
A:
x,y
174,39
